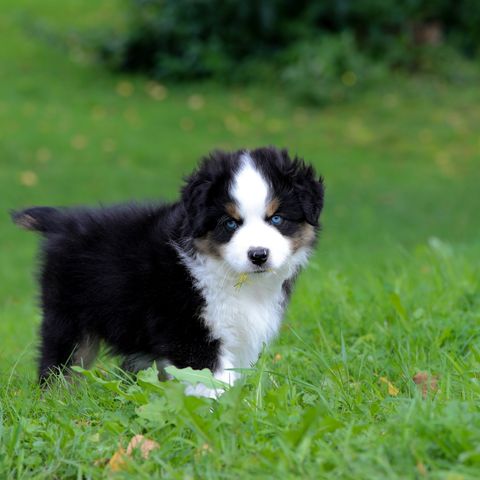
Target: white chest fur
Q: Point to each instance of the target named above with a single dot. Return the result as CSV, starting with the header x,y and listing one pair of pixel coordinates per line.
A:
x,y
243,316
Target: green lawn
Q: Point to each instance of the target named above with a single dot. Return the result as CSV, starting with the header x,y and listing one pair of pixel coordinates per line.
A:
x,y
392,291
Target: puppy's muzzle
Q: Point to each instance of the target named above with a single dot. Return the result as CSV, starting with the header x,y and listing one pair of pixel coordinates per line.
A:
x,y
258,255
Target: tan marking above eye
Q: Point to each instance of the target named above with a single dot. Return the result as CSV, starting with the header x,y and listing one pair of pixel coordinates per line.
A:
x,y
272,207
232,211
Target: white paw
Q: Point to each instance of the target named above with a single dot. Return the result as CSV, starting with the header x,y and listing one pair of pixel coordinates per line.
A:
x,y
200,390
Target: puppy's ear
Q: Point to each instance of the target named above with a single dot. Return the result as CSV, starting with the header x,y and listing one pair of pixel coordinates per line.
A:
x,y
194,199
203,189
310,190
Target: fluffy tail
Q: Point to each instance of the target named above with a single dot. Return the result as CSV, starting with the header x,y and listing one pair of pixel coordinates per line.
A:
x,y
40,219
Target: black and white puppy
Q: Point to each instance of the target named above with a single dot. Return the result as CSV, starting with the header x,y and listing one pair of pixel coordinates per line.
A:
x,y
202,282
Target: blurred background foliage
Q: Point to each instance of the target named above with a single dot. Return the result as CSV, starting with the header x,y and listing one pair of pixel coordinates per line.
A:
x,y
319,51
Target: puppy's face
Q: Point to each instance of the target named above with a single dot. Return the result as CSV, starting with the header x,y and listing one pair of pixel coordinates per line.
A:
x,y
253,210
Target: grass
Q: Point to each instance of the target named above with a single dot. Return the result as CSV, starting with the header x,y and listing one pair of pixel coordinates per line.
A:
x,y
392,291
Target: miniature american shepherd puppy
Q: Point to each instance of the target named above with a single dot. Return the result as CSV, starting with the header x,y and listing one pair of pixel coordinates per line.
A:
x,y
202,282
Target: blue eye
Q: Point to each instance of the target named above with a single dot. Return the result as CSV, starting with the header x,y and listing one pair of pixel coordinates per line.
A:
x,y
231,225
276,220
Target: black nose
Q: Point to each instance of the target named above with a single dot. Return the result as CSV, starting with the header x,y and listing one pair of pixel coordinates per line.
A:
x,y
258,255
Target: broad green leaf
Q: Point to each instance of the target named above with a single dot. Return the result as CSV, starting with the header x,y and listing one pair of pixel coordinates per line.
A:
x,y
191,376
112,385
148,379
155,411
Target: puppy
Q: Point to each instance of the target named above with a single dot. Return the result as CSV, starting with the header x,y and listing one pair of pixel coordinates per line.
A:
x,y
202,282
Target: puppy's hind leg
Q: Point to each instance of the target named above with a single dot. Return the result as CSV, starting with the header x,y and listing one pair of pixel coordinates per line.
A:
x,y
135,362
62,344
86,351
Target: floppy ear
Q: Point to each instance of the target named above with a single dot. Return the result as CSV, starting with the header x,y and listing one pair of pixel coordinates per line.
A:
x,y
203,187
194,199
309,189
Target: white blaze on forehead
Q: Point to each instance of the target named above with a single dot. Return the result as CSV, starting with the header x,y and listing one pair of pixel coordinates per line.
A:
x,y
250,190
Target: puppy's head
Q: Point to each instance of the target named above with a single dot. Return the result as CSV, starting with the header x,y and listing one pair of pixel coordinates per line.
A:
x,y
253,209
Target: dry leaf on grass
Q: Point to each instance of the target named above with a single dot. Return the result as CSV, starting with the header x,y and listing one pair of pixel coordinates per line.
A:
x,y
422,470
145,445
203,450
124,88
118,461
426,383
156,90
392,389
28,178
